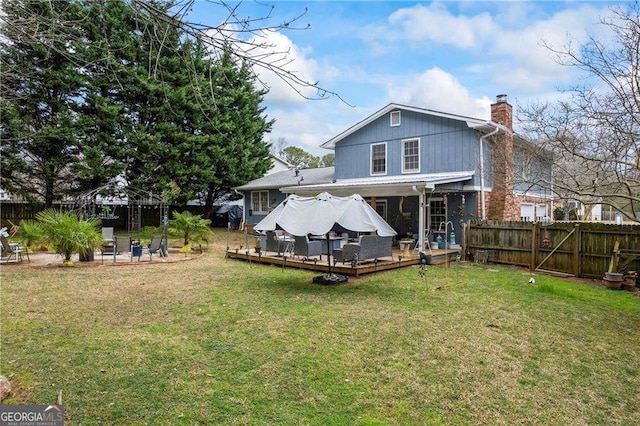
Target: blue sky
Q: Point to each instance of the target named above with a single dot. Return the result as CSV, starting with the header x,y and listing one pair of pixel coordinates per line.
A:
x,y
448,56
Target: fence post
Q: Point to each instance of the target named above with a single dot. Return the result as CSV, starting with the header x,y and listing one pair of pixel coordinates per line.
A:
x,y
576,250
465,237
534,245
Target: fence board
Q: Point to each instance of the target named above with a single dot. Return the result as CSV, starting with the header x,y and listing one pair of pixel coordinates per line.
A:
x,y
149,214
585,253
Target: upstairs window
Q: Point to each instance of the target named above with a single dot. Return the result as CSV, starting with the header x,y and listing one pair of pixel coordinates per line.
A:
x,y
395,118
379,159
411,155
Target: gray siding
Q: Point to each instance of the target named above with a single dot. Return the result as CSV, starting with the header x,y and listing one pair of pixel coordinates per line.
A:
x,y
446,145
275,198
530,171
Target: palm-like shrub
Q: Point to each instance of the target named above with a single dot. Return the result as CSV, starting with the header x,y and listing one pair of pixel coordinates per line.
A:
x,y
190,228
29,233
67,234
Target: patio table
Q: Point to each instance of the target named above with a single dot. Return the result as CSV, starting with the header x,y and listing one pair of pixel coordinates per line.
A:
x,y
336,242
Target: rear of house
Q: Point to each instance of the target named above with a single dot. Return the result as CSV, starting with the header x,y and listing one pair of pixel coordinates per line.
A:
x,y
426,171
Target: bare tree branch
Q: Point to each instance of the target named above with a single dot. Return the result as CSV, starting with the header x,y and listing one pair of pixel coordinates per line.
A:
x,y
595,133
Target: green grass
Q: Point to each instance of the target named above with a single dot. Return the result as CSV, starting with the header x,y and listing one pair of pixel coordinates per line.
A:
x,y
215,341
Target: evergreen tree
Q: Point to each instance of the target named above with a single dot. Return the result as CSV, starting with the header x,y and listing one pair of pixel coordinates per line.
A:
x,y
110,40
41,91
240,124
102,93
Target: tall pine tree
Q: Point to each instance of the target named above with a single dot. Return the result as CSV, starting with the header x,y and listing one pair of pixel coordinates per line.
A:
x,y
114,90
41,91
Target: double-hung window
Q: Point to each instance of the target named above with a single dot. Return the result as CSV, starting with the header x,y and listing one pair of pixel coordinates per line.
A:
x,y
410,155
379,159
260,202
437,213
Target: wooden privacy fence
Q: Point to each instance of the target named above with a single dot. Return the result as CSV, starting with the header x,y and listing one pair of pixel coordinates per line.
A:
x,y
14,212
582,249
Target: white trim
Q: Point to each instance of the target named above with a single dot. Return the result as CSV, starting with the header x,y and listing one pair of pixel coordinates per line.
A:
x,y
404,141
533,195
386,162
391,114
475,188
473,123
388,186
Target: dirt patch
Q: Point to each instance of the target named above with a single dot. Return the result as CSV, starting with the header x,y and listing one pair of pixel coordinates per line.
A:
x,y
45,259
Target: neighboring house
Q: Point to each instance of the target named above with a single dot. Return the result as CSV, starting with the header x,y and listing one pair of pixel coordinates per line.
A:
x,y
4,195
576,210
457,168
279,165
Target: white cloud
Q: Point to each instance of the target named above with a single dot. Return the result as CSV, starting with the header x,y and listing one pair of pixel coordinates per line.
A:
x,y
506,46
438,90
286,69
530,64
281,53
311,124
435,23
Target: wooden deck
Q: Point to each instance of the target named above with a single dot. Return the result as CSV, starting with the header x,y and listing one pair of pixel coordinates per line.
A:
x,y
366,267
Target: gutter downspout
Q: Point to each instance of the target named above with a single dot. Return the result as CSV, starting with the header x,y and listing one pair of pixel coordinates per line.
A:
x,y
244,208
482,192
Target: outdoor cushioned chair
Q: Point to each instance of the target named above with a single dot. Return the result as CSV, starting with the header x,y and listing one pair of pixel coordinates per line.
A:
x,y
277,242
11,253
305,248
369,247
272,241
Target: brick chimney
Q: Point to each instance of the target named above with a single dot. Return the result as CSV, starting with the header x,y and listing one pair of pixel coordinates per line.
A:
x,y
502,112
502,204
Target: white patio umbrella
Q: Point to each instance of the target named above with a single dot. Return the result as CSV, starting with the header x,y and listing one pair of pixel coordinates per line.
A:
x,y
320,214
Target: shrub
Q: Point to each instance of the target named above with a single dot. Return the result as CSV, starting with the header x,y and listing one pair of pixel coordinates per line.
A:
x,y
67,234
29,233
190,228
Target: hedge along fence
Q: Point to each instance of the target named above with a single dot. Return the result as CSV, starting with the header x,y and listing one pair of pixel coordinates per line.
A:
x,y
582,249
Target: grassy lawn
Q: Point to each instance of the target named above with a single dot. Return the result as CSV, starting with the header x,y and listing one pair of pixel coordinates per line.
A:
x,y
215,341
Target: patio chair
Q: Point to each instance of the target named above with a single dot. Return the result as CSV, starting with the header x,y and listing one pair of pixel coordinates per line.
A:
x,y
11,253
305,248
277,242
120,245
107,233
156,246
427,246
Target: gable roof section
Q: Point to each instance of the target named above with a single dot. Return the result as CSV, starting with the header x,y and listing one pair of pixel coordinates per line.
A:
x,y
473,123
288,178
279,164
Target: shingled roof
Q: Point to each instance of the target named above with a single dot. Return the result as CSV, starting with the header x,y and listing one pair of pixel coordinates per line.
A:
x,y
290,178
